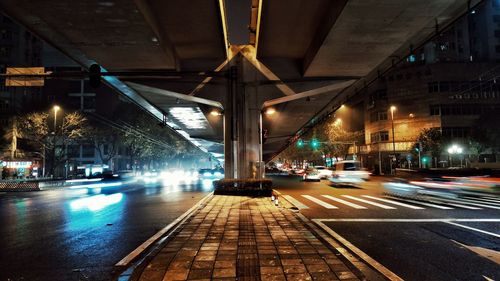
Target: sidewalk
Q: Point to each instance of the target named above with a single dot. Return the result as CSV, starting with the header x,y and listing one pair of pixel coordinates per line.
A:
x,y
243,238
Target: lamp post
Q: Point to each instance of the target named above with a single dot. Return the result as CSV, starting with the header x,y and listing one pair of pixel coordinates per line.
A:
x,y
267,111
454,149
393,108
56,109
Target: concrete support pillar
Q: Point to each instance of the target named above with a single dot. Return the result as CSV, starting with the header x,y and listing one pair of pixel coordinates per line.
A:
x,y
242,125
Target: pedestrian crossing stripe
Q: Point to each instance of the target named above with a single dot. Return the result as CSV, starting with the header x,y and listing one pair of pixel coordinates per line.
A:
x,y
355,206
369,202
470,202
425,204
413,203
394,202
487,201
319,202
295,202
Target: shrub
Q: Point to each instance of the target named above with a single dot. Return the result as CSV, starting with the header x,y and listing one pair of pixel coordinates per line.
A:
x,y
252,187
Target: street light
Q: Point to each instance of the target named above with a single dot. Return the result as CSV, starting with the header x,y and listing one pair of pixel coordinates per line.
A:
x,y
270,111
393,108
215,112
338,122
455,149
56,109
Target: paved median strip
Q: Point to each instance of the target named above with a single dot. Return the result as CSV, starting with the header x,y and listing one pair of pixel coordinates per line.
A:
x,y
245,238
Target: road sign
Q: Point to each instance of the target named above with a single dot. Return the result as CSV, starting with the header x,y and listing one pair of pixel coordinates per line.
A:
x,y
17,80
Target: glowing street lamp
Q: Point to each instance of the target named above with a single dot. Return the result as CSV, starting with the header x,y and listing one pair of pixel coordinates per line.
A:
x,y
393,108
455,149
338,122
270,111
215,112
56,109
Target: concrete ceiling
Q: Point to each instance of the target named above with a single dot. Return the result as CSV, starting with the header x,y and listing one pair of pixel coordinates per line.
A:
x,y
294,40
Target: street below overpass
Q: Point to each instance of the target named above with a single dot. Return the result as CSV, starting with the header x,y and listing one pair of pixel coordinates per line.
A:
x,y
76,235
72,234
440,239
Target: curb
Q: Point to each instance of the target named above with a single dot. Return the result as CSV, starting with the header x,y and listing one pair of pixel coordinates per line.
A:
x,y
362,264
135,259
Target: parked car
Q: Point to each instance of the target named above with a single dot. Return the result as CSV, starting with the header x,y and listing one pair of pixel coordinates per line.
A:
x,y
349,172
324,172
311,174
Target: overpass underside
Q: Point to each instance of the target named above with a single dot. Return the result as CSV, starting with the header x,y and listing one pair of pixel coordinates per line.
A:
x,y
303,58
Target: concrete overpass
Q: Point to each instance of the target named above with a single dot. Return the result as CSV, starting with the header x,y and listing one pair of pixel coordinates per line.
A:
x,y
303,58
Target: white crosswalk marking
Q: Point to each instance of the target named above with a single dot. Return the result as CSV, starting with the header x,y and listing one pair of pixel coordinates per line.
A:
x,y
423,203
452,203
295,202
475,203
355,206
488,201
319,202
394,202
369,202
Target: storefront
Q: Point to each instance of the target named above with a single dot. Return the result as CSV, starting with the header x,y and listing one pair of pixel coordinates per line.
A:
x,y
19,169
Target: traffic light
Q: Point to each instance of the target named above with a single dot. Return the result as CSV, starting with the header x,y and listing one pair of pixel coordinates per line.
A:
x,y
300,143
315,144
95,75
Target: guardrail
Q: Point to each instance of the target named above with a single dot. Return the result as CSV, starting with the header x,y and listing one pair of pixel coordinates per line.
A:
x,y
19,186
30,185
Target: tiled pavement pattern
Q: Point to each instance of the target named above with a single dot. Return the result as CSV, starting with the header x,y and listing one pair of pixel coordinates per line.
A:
x,y
243,238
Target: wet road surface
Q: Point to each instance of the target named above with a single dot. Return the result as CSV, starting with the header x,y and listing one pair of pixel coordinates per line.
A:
x,y
413,238
74,235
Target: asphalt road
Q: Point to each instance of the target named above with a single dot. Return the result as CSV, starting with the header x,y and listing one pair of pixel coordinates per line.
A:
x,y
419,240
73,235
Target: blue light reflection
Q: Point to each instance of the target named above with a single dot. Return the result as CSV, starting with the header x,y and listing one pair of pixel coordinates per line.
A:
x,y
96,202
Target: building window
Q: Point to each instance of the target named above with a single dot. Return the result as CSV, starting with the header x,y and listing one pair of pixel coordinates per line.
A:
x,y
5,52
374,117
88,151
73,151
456,132
444,86
497,48
433,87
382,115
435,110
379,136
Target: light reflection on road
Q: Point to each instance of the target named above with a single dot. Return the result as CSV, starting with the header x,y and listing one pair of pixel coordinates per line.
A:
x,y
96,202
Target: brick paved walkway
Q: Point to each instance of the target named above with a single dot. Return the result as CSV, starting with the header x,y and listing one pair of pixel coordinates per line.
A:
x,y
243,238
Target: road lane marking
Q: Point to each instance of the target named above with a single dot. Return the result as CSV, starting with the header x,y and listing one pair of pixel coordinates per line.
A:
x,y
394,202
369,202
132,255
482,200
319,202
362,255
295,202
423,203
411,220
484,252
465,201
451,204
474,229
355,206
